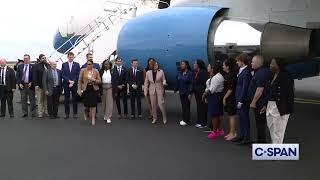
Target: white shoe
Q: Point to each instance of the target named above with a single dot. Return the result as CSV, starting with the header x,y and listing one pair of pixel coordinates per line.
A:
x,y
164,121
154,121
198,125
108,121
105,118
182,123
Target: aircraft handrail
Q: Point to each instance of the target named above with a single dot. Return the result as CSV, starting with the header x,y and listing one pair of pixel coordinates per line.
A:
x,y
96,25
81,38
96,36
78,33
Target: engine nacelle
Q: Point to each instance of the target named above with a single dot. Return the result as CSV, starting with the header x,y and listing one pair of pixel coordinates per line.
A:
x,y
169,35
290,43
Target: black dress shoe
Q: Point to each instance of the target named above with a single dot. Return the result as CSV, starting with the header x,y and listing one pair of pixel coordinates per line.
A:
x,y
11,115
25,115
57,117
2,115
66,116
51,117
132,117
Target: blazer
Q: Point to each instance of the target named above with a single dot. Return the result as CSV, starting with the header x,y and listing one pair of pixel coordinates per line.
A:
x,y
10,79
199,81
20,74
154,87
67,75
38,73
138,80
48,82
242,86
283,87
118,80
184,83
83,80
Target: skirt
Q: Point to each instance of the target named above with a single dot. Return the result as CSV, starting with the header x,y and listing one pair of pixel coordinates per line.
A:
x,y
215,105
90,97
231,107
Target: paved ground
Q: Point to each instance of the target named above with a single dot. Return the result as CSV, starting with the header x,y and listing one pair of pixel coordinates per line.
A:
x,y
44,149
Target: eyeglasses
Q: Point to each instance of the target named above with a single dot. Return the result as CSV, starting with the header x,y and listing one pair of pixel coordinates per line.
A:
x,y
43,58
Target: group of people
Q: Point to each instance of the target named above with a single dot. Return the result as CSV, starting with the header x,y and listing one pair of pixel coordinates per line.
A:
x,y
232,86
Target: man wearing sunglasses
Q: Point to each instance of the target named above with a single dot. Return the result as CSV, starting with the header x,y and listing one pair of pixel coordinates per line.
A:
x,y
37,80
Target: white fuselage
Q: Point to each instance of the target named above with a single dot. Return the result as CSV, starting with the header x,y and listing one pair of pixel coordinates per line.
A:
x,y
299,13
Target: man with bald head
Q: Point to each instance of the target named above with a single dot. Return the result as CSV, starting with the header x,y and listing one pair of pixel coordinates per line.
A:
x,y
52,86
257,94
7,87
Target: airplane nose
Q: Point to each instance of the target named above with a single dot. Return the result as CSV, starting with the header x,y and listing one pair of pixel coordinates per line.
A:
x,y
64,44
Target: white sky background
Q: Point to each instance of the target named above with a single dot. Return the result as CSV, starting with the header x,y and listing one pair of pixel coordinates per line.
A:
x,y
28,26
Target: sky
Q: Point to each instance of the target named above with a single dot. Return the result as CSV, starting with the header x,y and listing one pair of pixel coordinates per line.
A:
x,y
29,26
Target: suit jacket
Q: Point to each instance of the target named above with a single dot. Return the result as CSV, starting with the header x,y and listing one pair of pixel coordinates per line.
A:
x,y
20,74
154,87
10,79
199,81
137,80
243,82
67,75
83,80
118,80
38,73
48,82
283,86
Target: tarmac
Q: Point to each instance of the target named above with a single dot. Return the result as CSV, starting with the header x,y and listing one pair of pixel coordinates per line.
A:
x,y
46,149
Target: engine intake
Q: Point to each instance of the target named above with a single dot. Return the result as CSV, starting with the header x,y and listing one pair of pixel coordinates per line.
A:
x,y
290,43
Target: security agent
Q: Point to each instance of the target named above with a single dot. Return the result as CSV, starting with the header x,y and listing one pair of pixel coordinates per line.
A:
x,y
257,94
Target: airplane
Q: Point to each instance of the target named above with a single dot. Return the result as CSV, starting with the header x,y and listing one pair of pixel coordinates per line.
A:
x,y
290,29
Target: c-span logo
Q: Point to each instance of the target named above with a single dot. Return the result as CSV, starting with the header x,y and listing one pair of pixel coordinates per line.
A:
x,y
275,152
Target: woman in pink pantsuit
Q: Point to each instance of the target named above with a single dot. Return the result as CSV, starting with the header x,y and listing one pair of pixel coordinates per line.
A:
x,y
154,84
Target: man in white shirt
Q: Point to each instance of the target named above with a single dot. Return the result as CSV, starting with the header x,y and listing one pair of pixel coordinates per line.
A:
x,y
135,81
7,87
119,84
70,74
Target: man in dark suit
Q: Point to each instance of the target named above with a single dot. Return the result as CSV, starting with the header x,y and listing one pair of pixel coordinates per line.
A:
x,y
119,86
135,81
37,80
52,86
26,86
7,87
89,56
243,81
70,74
